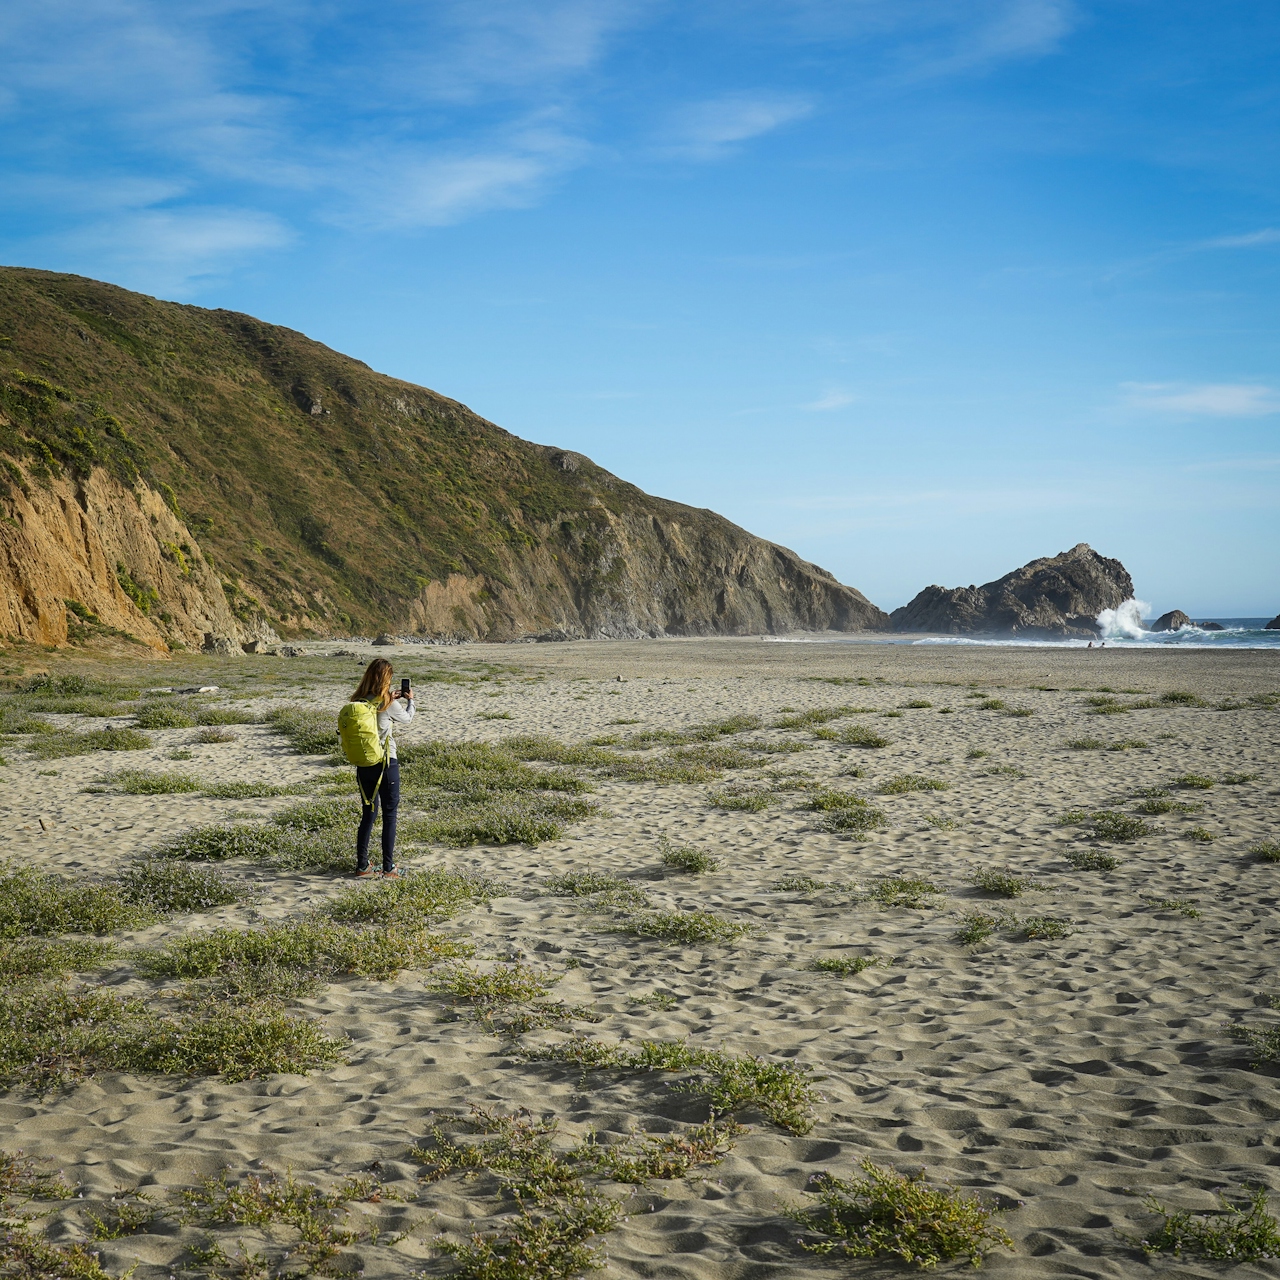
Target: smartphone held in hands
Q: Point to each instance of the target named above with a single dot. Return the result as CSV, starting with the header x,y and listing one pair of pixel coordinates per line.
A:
x,y
404,689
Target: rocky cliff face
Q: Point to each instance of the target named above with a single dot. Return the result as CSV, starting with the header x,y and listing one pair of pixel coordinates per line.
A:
x,y
183,474
85,556
1060,595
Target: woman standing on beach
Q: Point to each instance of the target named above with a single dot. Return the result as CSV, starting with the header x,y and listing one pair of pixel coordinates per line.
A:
x,y
381,782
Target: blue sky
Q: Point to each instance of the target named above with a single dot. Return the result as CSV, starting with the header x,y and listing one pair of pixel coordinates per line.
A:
x,y
920,288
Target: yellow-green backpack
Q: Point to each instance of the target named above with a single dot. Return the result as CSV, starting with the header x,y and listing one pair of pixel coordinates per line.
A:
x,y
358,731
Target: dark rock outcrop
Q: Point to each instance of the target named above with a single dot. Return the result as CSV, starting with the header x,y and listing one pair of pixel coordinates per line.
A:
x,y
1274,624
1060,595
1210,626
1174,620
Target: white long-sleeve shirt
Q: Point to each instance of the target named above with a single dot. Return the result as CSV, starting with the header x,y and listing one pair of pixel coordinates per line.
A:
x,y
397,713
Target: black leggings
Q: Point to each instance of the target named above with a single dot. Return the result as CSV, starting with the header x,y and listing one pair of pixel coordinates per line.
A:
x,y
389,794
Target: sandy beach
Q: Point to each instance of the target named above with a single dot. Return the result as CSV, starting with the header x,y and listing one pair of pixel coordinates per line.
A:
x,y
1065,1078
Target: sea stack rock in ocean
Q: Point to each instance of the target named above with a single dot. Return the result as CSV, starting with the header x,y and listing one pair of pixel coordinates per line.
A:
x,y
1274,624
1174,620
1060,595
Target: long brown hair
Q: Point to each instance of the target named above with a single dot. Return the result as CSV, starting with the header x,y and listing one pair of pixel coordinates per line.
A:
x,y
375,684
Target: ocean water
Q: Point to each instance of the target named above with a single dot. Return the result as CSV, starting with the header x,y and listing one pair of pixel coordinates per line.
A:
x,y
1126,628
1122,628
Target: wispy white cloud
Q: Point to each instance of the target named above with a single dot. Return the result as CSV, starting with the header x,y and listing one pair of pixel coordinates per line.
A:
x,y
831,399
1208,399
712,129
418,119
171,250
1250,240
434,191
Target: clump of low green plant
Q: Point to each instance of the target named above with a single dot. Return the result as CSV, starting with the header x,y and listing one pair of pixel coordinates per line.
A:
x,y
1008,884
51,957
415,898
643,1158
21,1178
52,1035
1238,779
938,822
1201,835
164,886
164,715
826,801
686,858
1194,781
845,966
1092,860
688,927
783,1091
1180,698
1110,824
887,1214
1263,1041
249,790
1155,806
908,782
38,903
550,1241
1243,1232
224,715
991,704
855,822
748,800
126,1213
319,815
260,1201
1129,744
1019,713
1046,928
975,753
1183,906
854,735
14,721
512,819
143,782
800,884
581,884
295,956
210,737
1002,770
263,842
817,715
181,754
57,746
663,1000
905,891
1267,851
916,704
309,732
495,988
708,732
1085,744
977,926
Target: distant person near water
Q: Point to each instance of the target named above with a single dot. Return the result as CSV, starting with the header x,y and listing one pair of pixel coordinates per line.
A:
x,y
364,725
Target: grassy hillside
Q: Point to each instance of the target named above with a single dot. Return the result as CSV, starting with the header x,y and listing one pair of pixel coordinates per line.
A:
x,y
330,493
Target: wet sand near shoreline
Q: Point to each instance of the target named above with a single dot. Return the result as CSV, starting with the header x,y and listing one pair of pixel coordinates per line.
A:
x,y
1066,1078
